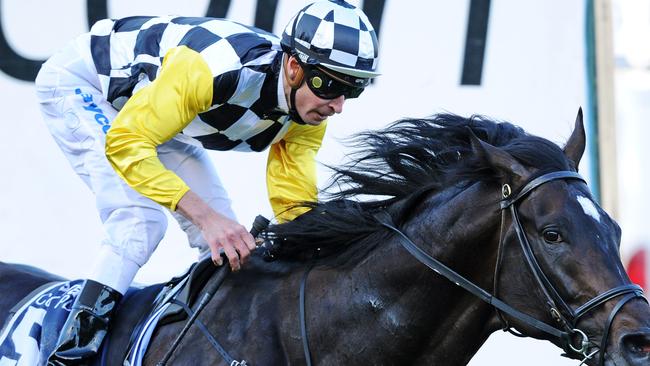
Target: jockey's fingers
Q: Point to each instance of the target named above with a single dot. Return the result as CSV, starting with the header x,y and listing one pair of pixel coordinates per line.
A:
x,y
249,241
233,257
244,251
215,253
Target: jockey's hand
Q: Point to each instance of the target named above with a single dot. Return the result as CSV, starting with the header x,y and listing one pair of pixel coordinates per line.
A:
x,y
218,230
236,242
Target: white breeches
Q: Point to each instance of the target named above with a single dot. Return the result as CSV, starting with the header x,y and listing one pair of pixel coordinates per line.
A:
x,y
78,116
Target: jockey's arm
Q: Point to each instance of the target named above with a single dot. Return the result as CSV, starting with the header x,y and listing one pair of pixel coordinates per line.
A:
x,y
291,170
154,115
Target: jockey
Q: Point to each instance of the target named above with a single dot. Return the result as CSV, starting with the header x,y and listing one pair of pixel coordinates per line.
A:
x,y
135,103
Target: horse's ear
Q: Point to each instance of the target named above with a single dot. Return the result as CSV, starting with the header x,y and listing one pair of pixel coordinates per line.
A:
x,y
498,158
575,147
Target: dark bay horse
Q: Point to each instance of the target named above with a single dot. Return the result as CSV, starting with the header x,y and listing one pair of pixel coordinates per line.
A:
x,y
480,197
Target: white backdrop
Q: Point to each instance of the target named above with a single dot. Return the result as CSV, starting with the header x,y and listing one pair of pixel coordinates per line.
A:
x,y
533,75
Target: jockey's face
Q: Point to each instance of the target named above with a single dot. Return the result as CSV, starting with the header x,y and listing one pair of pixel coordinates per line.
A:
x,y
315,110
312,109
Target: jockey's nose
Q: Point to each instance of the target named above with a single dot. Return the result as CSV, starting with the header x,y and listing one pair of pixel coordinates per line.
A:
x,y
337,104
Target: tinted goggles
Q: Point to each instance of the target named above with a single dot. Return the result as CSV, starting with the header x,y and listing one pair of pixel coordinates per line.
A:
x,y
328,85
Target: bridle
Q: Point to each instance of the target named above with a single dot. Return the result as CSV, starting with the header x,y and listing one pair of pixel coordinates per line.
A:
x,y
558,308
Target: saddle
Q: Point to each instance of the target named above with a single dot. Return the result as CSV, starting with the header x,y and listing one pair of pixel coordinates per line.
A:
x,y
179,295
165,308
194,281
139,313
48,307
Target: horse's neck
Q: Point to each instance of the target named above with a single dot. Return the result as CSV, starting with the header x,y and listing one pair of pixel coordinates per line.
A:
x,y
460,229
411,313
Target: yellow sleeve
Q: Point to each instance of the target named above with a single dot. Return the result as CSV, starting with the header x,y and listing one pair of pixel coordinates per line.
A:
x,y
291,169
153,115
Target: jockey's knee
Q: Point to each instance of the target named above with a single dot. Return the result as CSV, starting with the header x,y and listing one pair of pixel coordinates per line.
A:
x,y
135,232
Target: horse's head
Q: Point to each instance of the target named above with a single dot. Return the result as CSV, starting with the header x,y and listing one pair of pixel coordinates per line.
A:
x,y
559,260
508,210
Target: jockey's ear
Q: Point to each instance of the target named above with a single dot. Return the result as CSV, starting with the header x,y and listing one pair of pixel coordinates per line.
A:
x,y
575,146
293,72
499,159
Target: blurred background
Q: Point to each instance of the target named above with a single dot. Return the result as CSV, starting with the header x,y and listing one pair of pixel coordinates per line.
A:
x,y
531,62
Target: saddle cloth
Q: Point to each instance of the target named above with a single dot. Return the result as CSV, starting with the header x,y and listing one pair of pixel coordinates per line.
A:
x,y
31,331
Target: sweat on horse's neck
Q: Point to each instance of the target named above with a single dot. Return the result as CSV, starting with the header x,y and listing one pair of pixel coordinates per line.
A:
x,y
402,308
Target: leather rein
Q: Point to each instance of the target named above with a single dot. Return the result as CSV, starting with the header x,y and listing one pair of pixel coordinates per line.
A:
x,y
559,310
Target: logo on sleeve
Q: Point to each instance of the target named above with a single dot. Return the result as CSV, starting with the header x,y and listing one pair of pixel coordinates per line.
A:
x,y
100,117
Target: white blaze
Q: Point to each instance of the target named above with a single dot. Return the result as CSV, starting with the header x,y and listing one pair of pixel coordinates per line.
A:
x,y
589,207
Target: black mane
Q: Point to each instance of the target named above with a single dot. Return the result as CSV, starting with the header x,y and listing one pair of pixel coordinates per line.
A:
x,y
401,161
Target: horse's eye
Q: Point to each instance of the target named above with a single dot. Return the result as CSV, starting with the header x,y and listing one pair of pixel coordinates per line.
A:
x,y
552,236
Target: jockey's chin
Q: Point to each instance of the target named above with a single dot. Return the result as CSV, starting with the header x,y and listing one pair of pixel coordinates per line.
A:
x,y
316,116
316,120
314,110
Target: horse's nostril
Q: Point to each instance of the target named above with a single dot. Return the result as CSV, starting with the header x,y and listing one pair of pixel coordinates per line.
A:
x,y
637,343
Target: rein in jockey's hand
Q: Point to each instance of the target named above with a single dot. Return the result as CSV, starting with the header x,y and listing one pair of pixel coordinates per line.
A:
x,y
218,230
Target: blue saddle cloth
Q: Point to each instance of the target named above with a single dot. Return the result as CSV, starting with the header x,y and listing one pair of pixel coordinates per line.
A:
x,y
30,335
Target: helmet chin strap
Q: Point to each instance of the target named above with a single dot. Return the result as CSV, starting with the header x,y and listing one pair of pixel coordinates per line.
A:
x,y
295,82
293,113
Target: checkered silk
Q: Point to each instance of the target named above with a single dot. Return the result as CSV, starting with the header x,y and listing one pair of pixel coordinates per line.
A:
x,y
245,64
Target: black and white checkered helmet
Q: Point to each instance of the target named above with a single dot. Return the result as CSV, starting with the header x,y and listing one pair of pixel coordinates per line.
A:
x,y
333,34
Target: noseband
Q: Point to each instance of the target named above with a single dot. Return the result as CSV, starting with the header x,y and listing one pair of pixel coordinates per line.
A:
x,y
558,308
